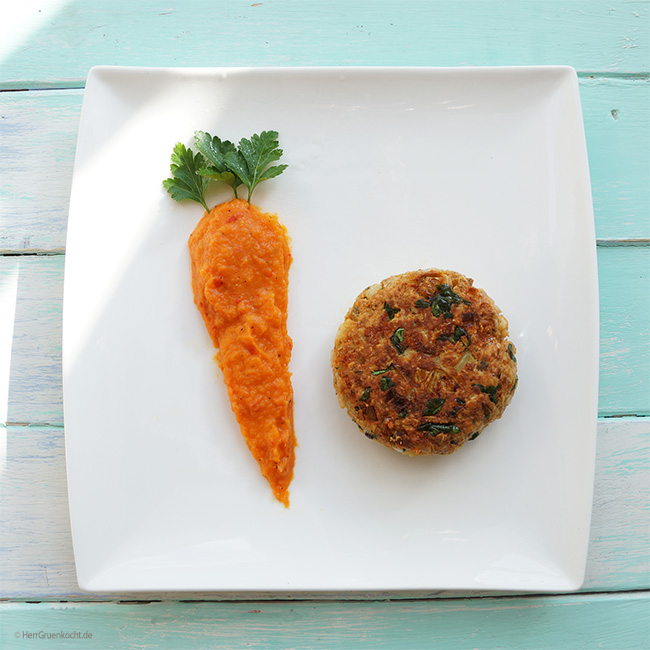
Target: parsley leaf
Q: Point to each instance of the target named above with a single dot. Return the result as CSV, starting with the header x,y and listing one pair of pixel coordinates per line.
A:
x,y
391,311
439,427
382,370
459,333
490,391
214,151
250,162
186,182
397,339
434,406
443,299
385,383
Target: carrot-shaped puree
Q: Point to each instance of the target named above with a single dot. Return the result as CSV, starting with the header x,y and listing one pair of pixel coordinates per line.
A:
x,y
240,271
240,259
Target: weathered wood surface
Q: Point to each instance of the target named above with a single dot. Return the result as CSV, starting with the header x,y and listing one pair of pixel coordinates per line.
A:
x,y
608,622
69,37
624,276
35,383
609,45
38,132
36,540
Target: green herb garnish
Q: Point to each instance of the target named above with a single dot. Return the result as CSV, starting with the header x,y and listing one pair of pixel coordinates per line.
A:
x,y
490,391
474,436
391,311
214,152
221,161
397,339
511,352
250,163
366,394
439,427
186,182
382,370
459,333
434,406
442,301
385,383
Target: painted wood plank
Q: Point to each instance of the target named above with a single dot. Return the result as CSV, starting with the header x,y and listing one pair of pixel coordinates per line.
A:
x,y
61,44
38,138
609,38
36,540
38,132
617,131
619,543
624,276
615,622
35,382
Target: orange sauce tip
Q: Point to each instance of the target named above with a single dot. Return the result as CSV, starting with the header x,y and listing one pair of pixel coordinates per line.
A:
x,y
282,497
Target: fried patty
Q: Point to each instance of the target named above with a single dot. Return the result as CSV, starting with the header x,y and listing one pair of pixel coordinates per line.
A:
x,y
422,362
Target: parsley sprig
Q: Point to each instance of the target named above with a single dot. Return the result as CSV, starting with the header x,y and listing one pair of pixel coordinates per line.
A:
x,y
186,182
218,160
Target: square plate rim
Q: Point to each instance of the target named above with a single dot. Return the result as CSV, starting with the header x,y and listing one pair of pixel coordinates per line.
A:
x,y
206,71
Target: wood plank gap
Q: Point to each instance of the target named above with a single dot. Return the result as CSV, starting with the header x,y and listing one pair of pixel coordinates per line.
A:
x,y
80,84
32,425
623,242
623,415
620,595
24,86
26,252
631,76
39,90
36,252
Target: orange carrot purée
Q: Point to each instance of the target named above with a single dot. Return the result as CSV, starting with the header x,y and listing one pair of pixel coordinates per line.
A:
x,y
240,265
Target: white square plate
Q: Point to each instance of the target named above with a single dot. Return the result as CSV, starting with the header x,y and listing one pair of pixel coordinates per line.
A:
x,y
483,171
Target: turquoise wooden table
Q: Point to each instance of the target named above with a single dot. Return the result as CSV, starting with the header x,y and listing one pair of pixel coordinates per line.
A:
x,y
46,50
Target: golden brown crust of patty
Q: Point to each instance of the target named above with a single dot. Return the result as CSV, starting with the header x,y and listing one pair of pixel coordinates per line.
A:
x,y
422,362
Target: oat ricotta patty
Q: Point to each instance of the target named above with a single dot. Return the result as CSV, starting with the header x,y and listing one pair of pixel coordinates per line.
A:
x,y
422,362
